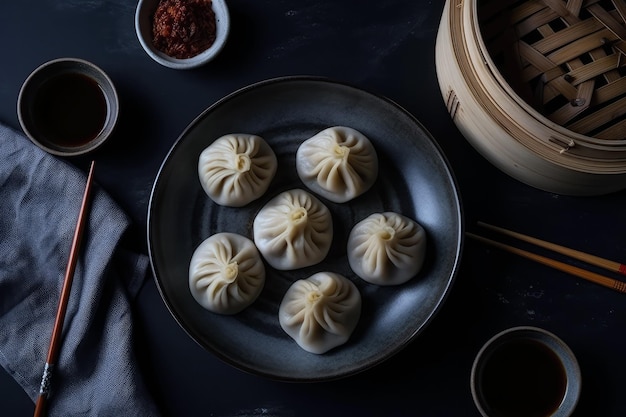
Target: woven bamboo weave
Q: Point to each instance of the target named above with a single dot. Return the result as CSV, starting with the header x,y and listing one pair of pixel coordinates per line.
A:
x,y
565,58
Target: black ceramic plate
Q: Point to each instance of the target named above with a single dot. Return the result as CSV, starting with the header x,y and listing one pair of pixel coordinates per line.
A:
x,y
415,180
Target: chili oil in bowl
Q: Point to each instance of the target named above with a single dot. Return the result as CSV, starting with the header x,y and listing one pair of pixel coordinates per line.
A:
x,y
182,34
68,106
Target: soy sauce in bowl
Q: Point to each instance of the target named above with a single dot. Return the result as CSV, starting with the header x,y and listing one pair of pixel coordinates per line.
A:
x,y
70,109
523,378
68,106
525,371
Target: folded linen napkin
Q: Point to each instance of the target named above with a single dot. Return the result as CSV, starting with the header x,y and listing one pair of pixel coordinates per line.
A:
x,y
96,373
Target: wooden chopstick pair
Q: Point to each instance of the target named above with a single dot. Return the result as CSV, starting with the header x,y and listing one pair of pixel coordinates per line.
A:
x,y
609,265
53,350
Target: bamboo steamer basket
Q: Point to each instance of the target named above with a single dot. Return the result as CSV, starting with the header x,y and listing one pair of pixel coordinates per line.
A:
x,y
538,87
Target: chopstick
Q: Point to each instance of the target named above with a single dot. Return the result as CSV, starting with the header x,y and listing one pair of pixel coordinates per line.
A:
x,y
581,256
53,350
561,266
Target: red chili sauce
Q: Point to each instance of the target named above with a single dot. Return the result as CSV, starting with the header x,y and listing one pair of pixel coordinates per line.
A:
x,y
183,28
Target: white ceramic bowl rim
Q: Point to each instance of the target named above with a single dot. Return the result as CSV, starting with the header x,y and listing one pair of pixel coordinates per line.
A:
x,y
143,29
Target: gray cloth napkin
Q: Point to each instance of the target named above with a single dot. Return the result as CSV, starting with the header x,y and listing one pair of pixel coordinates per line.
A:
x,y
96,373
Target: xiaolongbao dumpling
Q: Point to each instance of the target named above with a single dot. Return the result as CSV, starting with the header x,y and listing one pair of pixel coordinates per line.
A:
x,y
338,163
386,248
226,273
320,312
236,169
293,230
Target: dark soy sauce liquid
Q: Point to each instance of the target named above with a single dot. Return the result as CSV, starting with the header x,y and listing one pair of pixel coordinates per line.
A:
x,y
523,378
70,109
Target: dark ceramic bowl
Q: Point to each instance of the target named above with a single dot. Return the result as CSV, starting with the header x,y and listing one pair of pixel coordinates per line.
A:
x,y
525,368
68,106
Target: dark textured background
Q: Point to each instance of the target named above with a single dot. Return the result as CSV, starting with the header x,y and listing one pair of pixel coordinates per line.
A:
x,y
383,47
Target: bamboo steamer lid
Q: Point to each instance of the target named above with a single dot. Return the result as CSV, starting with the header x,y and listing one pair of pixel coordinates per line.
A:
x,y
538,87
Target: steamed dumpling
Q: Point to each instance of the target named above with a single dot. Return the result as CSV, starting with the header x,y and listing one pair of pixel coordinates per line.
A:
x,y
320,312
338,163
236,169
226,273
293,230
386,248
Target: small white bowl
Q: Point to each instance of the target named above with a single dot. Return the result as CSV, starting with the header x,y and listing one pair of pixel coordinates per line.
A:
x,y
143,27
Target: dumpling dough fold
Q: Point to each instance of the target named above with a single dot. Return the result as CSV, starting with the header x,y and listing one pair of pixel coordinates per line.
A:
x,y
293,230
320,312
386,248
236,169
339,163
226,273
